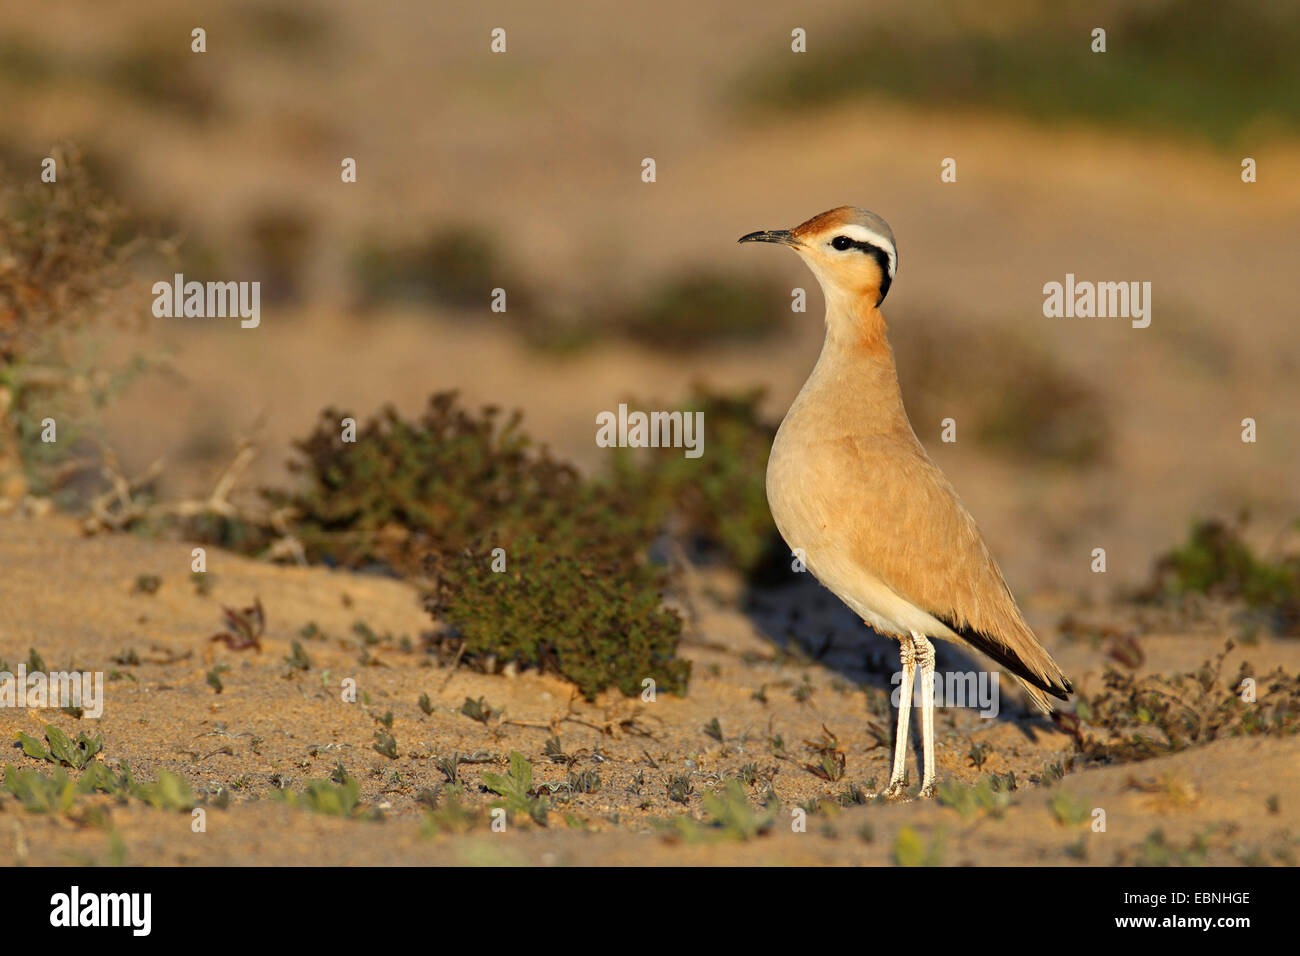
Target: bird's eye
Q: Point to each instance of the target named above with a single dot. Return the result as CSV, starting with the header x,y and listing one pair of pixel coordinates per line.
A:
x,y
841,242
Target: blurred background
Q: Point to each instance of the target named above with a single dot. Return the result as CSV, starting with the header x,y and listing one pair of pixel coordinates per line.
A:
x,y
523,171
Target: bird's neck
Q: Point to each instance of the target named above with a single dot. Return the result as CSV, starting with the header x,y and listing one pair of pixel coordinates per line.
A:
x,y
855,327
854,383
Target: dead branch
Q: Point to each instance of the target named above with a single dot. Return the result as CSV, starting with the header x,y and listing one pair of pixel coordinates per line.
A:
x,y
117,508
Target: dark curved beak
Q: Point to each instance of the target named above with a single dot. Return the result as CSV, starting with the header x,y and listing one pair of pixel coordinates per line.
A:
x,y
781,236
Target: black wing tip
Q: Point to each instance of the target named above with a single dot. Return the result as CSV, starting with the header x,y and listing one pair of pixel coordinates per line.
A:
x,y
998,652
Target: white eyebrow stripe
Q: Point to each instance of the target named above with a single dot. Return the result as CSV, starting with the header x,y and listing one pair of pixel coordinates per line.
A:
x,y
863,234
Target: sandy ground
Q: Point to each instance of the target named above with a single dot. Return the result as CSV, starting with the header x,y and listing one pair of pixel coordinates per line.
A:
x,y
272,727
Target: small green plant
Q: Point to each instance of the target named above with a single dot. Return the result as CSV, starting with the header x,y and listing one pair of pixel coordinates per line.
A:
x,y
1157,850
854,795
39,793
910,849
168,792
478,710
713,729
147,584
450,767
729,816
680,788
426,704
61,748
1068,810
586,781
970,801
515,789
57,792
803,691
1003,783
1052,774
385,744
830,757
327,797
449,816
213,677
298,659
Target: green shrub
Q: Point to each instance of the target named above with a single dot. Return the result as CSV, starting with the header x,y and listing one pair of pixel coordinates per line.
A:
x,y
1217,561
456,266
688,311
1189,65
438,484
1023,403
717,502
158,71
63,266
439,494
595,621
1134,718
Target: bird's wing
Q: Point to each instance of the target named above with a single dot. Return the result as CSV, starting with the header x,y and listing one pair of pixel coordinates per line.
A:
x,y
910,530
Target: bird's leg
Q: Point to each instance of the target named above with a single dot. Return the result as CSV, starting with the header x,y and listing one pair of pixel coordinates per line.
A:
x,y
898,779
925,660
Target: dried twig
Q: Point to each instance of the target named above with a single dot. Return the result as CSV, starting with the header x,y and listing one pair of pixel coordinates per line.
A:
x,y
117,508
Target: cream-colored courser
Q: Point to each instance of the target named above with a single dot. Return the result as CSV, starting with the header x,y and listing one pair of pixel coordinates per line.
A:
x,y
852,489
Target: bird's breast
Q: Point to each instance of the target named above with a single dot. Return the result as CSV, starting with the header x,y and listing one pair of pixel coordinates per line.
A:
x,y
800,483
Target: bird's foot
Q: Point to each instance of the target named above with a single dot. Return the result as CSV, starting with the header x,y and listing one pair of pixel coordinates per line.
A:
x,y
896,789
927,791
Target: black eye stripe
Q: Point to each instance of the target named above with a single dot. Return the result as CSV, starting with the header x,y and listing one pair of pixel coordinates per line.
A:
x,y
869,248
873,250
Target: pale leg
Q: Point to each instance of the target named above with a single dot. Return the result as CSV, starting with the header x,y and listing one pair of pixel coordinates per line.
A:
x,y
898,779
925,660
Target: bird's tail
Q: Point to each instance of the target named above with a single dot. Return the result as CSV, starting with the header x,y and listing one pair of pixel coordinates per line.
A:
x,y
1027,660
1043,703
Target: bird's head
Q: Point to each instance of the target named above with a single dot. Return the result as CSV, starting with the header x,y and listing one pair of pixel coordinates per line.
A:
x,y
850,250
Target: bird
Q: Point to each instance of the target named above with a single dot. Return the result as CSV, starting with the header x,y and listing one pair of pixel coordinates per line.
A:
x,y
855,495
